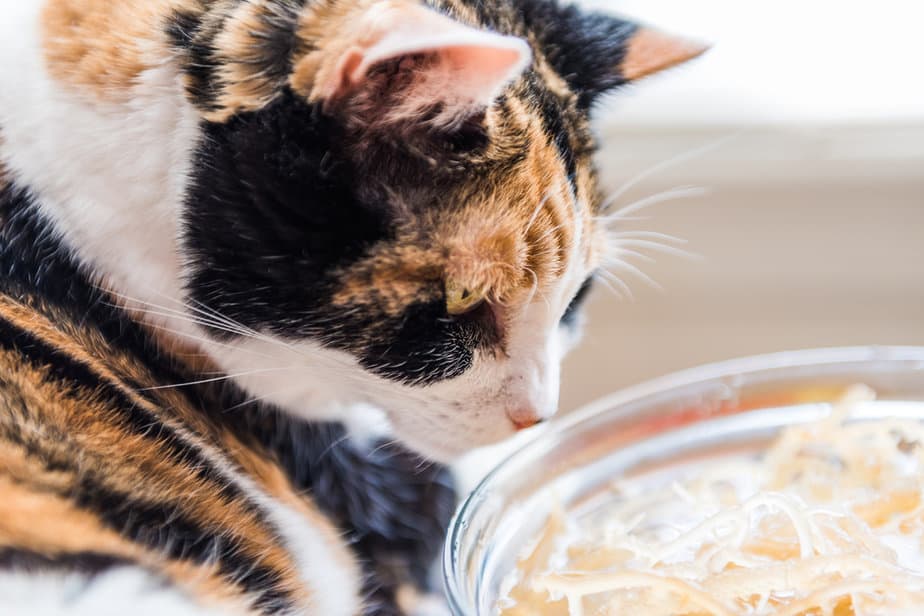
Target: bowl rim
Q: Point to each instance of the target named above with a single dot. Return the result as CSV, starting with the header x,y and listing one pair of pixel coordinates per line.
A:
x,y
751,364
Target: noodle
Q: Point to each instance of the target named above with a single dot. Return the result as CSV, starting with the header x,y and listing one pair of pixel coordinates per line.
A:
x,y
828,521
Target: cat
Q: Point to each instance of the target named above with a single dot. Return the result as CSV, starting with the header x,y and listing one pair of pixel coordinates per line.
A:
x,y
260,258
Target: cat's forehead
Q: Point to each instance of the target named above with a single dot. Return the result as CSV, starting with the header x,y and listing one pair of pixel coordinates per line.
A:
x,y
504,239
236,56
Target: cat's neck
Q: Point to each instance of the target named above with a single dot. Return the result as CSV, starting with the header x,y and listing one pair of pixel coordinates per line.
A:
x,y
110,180
375,485
109,177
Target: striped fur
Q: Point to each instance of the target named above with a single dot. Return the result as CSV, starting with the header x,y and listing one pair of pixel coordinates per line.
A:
x,y
122,467
186,499
227,226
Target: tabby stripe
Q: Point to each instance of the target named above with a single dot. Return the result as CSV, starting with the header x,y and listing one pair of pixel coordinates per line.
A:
x,y
64,529
555,125
122,343
550,110
86,562
66,533
138,420
25,226
129,517
164,531
148,524
556,235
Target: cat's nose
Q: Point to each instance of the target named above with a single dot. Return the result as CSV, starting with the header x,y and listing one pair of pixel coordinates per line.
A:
x,y
524,417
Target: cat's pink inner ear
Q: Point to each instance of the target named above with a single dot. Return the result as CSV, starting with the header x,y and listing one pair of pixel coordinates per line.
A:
x,y
650,51
453,63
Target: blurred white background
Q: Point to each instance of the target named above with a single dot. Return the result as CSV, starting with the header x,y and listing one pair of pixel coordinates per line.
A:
x,y
808,119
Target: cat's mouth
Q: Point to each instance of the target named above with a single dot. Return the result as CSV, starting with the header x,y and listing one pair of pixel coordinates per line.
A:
x,y
446,442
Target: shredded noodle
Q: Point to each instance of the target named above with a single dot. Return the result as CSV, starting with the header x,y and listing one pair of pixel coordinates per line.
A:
x,y
828,521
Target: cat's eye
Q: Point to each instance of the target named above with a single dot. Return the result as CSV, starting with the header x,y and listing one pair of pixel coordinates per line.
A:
x,y
461,299
570,315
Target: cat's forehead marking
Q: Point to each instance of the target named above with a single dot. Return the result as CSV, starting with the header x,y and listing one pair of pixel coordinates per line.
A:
x,y
506,235
254,44
236,55
100,47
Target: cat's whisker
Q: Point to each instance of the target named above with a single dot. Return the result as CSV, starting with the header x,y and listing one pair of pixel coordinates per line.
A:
x,y
209,311
655,235
166,311
208,341
658,247
678,192
671,162
331,362
181,317
628,252
549,232
336,443
255,399
615,284
211,314
533,291
218,317
385,444
216,379
193,320
208,322
422,464
608,218
532,219
208,315
636,271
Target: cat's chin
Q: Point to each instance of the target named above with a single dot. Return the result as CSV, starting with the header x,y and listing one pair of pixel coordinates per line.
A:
x,y
443,452
446,442
440,422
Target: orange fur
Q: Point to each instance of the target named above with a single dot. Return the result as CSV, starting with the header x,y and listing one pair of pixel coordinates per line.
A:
x,y
60,422
101,47
64,528
651,51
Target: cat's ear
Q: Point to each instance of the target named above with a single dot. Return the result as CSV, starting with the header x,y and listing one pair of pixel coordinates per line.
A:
x,y
401,61
596,52
650,51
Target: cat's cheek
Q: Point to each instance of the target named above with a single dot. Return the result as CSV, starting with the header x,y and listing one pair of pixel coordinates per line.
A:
x,y
443,421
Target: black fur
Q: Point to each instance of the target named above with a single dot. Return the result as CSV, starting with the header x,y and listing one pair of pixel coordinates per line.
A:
x,y
278,210
569,318
585,48
193,34
286,199
394,508
86,563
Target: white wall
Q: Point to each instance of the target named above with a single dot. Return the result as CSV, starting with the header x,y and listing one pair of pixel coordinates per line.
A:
x,y
812,233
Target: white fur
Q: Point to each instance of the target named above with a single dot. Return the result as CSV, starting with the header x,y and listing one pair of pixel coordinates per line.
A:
x,y
109,594
111,178
335,589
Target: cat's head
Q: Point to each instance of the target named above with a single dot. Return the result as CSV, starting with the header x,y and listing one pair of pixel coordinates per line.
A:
x,y
399,199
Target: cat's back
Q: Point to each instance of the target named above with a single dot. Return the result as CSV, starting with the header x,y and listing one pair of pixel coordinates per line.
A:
x,y
111,472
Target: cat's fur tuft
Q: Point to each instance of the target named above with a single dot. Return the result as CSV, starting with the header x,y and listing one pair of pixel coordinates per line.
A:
x,y
225,224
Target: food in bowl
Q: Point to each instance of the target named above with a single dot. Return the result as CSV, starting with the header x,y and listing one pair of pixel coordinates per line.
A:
x,y
828,520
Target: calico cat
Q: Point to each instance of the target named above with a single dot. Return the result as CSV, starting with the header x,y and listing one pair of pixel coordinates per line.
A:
x,y
228,228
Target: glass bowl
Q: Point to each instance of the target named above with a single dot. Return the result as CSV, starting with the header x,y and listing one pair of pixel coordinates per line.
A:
x,y
732,407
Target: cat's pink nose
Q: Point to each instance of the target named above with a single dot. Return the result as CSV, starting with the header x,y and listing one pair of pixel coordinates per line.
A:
x,y
524,417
